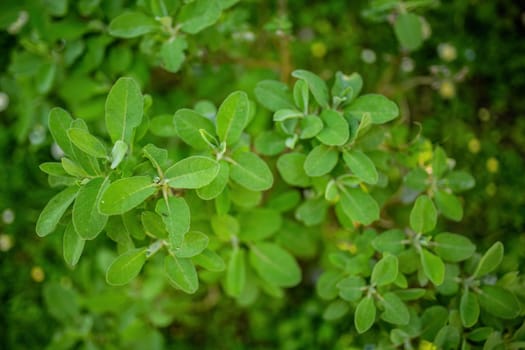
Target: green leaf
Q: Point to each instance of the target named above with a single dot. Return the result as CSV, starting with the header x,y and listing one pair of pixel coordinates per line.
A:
x,y
87,143
87,220
161,125
365,314
499,302
126,267
347,87
311,125
326,285
59,122
72,245
380,108
232,117
452,247
359,206
132,24
210,261
351,288
490,260
125,194
198,15
182,273
156,155
269,143
409,31
317,86
175,214
194,243
439,162
118,152
335,310
459,181
449,205
172,53
192,172
274,264
285,114
153,224
291,169
395,310
336,130
236,273
215,188
321,160
72,168
361,166
54,210
385,271
273,95
251,172
188,124
259,223
423,216
390,241
433,267
124,110
469,308
53,168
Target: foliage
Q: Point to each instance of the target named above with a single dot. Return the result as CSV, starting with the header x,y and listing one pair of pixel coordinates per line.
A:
x,y
203,191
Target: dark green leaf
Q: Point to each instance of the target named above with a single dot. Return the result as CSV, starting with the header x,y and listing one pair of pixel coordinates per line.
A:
x,y
54,210
469,308
409,30
188,124
490,260
499,302
73,245
198,15
87,220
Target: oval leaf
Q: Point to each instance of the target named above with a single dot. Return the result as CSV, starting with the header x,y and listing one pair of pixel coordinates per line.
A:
x,y
182,273
380,108
361,166
126,267
87,219
251,172
175,214
232,117
433,267
321,160
453,247
125,194
275,265
365,315
73,245
132,24
423,216
54,210
192,172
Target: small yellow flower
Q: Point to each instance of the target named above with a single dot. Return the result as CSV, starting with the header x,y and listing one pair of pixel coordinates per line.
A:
x,y
37,274
347,246
474,146
447,52
426,345
318,49
447,89
492,165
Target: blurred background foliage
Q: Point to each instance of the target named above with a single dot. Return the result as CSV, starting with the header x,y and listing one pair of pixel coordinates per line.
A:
x,y
459,85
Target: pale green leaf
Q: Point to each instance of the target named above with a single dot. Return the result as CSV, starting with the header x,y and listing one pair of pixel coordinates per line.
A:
x,y
192,172
182,273
132,24
274,264
125,194
126,267
87,220
251,172
232,117
54,210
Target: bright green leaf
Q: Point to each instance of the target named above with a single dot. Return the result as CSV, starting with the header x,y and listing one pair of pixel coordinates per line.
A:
x,y
87,143
215,188
126,267
232,117
132,24
251,172
125,194
172,53
385,270
236,273
336,130
192,172
433,267
317,86
390,241
182,273
380,108
194,243
359,206
198,15
87,220
395,310
365,314
409,31
188,124
452,247
499,302
423,216
274,264
321,160
490,260
73,245
469,308
361,165
175,214
449,205
291,169
54,210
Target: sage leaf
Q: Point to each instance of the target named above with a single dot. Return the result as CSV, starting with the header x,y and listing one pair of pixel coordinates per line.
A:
x,y
361,166
194,243
124,110
453,247
395,310
87,219
87,143
365,314
125,194
72,245
490,260
132,24
423,216
126,267
273,95
54,210
188,124
316,85
215,188
291,169
336,130
175,214
321,160
232,117
380,108
499,302
359,206
433,267
469,308
236,273
274,264
385,270
181,273
192,172
251,172
198,15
